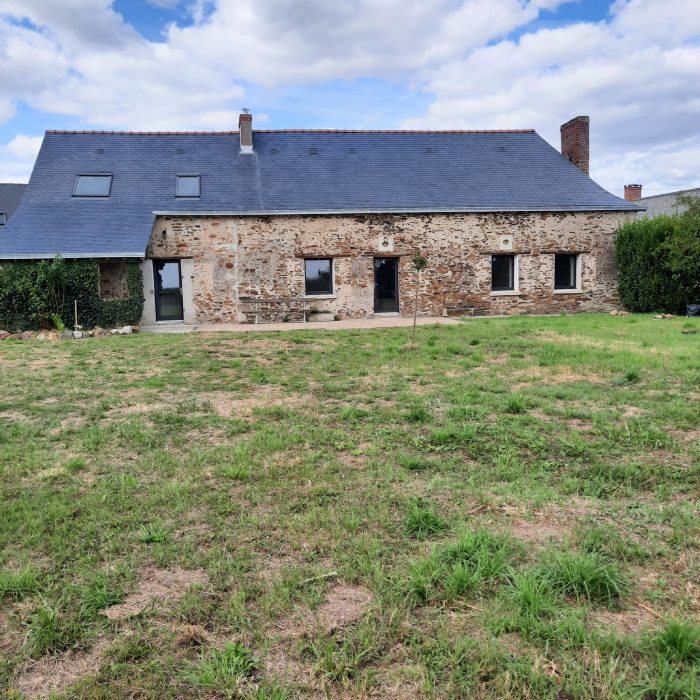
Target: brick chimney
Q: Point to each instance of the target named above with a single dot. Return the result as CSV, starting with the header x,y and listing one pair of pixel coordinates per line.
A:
x,y
574,142
633,192
245,127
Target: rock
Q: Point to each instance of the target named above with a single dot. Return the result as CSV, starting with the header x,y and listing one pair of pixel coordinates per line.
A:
x,y
125,330
99,332
66,335
614,312
4,334
321,316
14,336
663,316
42,336
27,335
77,335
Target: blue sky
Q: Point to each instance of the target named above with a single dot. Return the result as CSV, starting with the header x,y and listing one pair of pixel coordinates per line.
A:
x,y
632,65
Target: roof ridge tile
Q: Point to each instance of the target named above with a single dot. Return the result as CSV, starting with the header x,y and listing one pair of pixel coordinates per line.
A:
x,y
295,131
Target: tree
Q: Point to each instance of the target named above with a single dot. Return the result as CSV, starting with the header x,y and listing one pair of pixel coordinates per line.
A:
x,y
419,263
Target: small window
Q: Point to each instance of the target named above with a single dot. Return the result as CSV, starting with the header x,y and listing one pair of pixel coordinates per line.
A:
x,y
92,186
3,218
187,186
503,273
318,274
565,272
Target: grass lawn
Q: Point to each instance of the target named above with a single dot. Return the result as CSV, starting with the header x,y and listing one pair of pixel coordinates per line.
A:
x,y
508,510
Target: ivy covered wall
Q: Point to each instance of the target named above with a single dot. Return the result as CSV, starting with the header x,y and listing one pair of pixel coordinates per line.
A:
x,y
35,294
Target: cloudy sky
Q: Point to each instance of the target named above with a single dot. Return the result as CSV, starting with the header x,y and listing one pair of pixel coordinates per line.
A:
x,y
632,65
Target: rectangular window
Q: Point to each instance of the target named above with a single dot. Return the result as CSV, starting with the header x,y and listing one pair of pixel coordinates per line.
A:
x,y
92,185
187,186
565,272
318,276
3,218
503,273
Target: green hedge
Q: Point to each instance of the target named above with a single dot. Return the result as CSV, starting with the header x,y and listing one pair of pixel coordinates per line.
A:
x,y
34,293
658,262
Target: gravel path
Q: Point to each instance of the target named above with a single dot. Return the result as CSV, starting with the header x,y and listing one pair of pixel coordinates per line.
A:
x,y
375,322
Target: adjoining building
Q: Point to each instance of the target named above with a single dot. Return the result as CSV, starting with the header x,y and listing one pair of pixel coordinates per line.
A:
x,y
659,204
244,225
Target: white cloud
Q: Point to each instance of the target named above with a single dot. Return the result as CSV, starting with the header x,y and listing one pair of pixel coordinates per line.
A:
x,y
277,41
636,76
17,158
80,58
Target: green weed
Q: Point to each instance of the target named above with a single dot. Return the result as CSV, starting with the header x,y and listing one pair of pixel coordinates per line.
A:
x,y
223,670
423,520
17,585
585,577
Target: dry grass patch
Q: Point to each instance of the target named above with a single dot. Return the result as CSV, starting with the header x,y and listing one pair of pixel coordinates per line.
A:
x,y
264,397
56,674
344,605
628,622
14,416
156,585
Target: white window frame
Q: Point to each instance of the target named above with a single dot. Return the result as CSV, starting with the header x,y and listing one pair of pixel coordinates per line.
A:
x,y
332,294
578,288
516,275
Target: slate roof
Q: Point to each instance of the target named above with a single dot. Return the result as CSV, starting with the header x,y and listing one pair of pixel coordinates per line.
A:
x,y
291,172
10,197
658,204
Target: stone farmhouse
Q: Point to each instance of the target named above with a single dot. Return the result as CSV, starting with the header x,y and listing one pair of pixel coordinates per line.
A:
x,y
255,225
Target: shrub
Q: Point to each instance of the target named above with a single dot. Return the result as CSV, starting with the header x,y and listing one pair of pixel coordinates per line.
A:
x,y
659,262
36,294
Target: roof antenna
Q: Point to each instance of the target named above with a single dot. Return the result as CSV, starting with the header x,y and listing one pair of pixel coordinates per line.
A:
x,y
246,110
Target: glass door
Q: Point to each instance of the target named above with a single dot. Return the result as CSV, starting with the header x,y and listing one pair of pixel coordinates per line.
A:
x,y
168,282
386,285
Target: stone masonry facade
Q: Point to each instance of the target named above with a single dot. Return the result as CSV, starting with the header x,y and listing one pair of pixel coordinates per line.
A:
x,y
237,257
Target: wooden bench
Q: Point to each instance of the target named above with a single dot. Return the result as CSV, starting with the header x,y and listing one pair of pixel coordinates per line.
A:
x,y
299,304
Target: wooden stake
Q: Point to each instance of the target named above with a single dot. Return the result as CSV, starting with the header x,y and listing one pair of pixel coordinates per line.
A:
x,y
332,574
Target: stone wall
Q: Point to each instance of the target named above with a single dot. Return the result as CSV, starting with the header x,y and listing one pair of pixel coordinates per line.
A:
x,y
113,280
263,257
